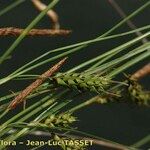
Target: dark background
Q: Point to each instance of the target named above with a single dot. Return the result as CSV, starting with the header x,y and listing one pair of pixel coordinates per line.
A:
x,y
88,19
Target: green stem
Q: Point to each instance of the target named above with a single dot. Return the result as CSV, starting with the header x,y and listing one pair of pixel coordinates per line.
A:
x,y
87,135
35,108
116,61
31,108
37,119
81,65
4,113
42,89
127,18
115,50
84,104
11,6
112,74
28,28
11,95
105,34
129,63
142,142
78,44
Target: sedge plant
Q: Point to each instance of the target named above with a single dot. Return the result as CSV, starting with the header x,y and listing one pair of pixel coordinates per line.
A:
x,y
49,106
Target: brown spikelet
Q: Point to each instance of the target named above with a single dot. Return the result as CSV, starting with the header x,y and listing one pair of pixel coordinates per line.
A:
x,y
28,90
11,31
141,72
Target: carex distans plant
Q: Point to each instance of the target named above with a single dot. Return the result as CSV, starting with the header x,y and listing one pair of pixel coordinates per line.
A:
x,y
53,107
